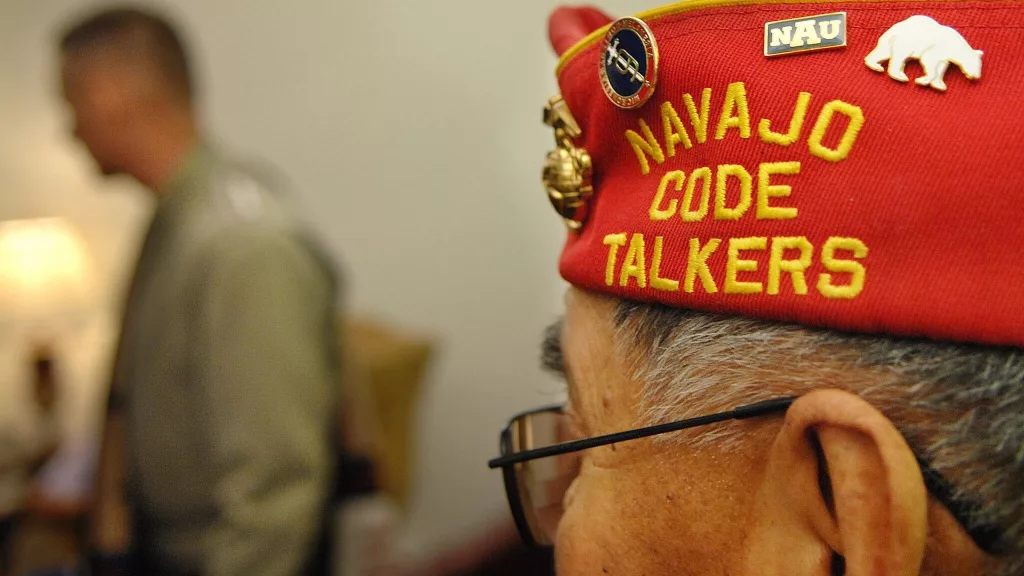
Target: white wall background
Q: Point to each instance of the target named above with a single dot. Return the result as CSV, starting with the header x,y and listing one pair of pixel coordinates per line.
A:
x,y
412,131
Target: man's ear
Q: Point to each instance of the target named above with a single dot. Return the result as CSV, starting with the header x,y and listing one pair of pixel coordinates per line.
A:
x,y
110,99
842,494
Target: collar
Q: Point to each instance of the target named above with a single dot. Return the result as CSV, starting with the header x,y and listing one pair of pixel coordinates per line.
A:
x,y
187,181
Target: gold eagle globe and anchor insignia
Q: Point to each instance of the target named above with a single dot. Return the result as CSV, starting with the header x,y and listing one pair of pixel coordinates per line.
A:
x,y
568,168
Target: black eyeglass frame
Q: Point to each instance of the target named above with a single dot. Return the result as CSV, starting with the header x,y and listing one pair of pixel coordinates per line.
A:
x,y
987,536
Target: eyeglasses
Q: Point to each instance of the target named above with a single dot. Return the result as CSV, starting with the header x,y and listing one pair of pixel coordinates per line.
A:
x,y
539,462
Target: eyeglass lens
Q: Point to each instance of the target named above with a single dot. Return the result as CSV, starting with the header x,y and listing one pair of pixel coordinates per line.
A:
x,y
542,483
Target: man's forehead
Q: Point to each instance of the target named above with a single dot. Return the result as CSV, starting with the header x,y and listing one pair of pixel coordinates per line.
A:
x,y
80,68
73,80
105,70
599,378
589,313
106,59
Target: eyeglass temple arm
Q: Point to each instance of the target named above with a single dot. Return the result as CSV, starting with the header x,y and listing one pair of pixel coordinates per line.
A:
x,y
987,536
740,413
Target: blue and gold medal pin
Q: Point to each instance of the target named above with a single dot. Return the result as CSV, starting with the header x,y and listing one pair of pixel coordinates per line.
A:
x,y
629,63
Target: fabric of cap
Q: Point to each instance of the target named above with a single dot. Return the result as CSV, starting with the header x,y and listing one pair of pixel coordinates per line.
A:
x,y
904,212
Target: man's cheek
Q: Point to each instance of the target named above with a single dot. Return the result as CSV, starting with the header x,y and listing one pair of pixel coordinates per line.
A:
x,y
587,543
578,551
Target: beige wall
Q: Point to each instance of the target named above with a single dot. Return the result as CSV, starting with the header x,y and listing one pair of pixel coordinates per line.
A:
x,y
412,131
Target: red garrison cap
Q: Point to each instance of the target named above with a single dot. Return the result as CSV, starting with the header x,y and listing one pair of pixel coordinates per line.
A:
x,y
568,25
853,165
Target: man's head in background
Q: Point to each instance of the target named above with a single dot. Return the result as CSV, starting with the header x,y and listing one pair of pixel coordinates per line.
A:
x,y
126,76
809,225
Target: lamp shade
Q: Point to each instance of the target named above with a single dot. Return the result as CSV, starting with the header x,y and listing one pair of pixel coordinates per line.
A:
x,y
45,271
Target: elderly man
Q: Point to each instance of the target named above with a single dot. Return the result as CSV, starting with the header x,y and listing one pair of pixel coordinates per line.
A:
x,y
218,444
793,345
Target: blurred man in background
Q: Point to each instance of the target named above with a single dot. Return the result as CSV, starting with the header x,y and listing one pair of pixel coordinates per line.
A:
x,y
217,452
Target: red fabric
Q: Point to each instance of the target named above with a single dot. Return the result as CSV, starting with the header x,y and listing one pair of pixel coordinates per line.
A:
x,y
933,184
570,24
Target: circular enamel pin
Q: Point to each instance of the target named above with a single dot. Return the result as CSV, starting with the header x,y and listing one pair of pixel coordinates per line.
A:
x,y
629,63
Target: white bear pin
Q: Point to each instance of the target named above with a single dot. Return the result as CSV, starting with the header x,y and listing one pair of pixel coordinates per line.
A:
x,y
932,44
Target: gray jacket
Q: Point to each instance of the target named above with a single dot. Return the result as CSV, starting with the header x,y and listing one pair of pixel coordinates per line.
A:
x,y
227,371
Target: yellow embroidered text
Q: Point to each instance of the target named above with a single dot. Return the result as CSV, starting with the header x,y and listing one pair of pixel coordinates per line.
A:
x,y
679,133
734,191
749,265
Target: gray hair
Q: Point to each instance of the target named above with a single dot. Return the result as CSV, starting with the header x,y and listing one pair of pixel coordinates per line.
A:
x,y
959,406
